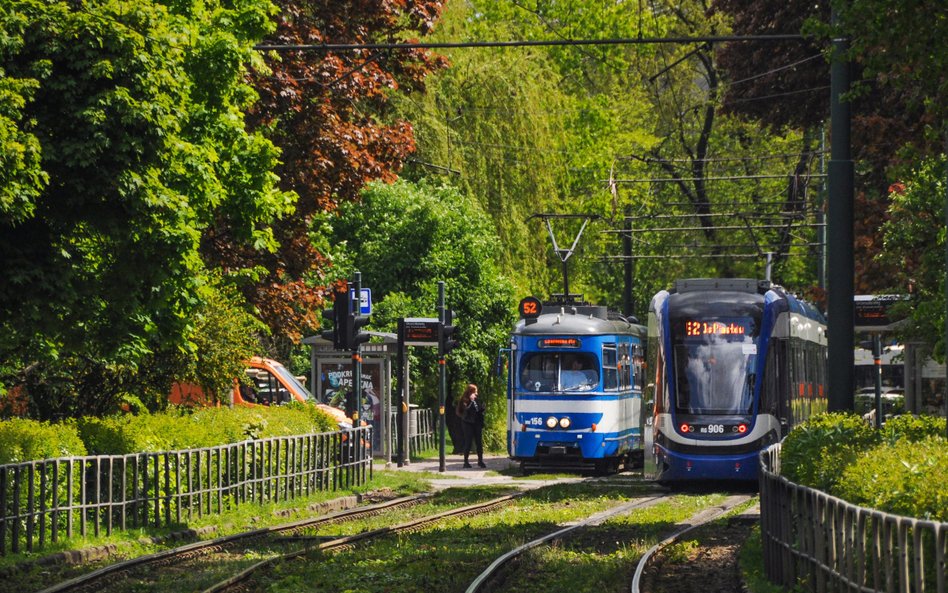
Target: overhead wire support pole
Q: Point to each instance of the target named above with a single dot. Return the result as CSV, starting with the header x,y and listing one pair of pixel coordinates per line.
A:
x,y
442,382
840,233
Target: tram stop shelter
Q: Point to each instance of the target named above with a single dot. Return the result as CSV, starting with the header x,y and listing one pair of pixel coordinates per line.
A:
x,y
331,375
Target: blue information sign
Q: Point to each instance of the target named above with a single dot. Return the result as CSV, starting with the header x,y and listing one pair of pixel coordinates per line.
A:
x,y
365,300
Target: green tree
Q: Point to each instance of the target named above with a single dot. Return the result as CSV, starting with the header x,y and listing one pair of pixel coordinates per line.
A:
x,y
136,110
404,238
915,245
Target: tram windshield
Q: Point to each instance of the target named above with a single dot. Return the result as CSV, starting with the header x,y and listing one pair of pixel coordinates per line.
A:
x,y
715,362
558,371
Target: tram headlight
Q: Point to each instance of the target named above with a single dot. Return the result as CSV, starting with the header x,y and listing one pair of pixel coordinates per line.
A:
x,y
551,422
565,422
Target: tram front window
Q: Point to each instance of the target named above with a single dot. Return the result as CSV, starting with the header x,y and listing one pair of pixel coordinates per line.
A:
x,y
714,367
556,371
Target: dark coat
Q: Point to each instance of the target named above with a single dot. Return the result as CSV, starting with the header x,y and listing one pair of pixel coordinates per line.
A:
x,y
474,413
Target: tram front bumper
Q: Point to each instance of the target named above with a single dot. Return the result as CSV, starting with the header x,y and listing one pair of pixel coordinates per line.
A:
x,y
566,446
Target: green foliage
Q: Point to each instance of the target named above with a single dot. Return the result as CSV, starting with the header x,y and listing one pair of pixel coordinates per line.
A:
x,y
25,440
225,337
136,110
899,469
404,238
186,428
816,452
915,244
911,428
906,478
900,46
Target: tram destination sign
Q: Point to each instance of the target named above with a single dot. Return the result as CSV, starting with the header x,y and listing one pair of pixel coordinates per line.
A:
x,y
873,312
421,331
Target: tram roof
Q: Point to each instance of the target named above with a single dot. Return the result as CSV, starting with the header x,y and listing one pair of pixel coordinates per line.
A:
x,y
567,322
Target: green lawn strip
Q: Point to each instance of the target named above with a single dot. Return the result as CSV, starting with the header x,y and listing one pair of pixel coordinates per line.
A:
x,y
25,571
449,556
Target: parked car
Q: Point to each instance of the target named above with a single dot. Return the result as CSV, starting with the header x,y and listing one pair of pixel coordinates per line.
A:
x,y
267,383
893,401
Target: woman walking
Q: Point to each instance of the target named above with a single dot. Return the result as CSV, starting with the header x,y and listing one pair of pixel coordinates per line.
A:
x,y
471,412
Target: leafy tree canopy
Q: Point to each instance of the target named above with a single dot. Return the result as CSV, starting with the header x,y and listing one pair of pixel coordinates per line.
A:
x,y
123,139
329,113
404,238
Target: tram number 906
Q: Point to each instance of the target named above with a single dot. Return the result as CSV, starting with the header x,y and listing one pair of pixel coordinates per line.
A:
x,y
713,429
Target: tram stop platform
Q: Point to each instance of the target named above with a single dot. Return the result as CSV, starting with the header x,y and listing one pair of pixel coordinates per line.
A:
x,y
500,470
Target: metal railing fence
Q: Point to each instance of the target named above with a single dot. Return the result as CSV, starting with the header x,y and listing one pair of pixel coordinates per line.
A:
x,y
823,543
45,501
421,430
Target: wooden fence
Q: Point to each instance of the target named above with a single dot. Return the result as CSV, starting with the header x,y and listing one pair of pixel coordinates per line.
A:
x,y
822,543
45,501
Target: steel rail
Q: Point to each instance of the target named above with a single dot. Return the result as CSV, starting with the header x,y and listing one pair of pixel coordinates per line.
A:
x,y
349,540
595,519
96,577
700,519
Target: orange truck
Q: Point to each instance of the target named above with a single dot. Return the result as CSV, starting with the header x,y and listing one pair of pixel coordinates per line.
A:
x,y
268,383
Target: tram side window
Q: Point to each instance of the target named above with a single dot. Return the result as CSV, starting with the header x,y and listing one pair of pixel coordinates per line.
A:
x,y
774,400
638,367
610,370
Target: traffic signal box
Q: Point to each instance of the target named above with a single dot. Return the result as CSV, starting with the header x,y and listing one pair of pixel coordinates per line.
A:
x,y
356,323
446,340
340,318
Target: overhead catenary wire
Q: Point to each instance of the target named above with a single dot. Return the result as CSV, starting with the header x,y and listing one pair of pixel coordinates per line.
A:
x,y
330,47
717,178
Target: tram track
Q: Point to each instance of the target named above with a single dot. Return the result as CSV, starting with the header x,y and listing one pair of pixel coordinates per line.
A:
x,y
500,571
495,567
700,520
238,582
108,576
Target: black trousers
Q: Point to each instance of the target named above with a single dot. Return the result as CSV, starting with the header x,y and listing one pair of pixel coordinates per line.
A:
x,y
473,434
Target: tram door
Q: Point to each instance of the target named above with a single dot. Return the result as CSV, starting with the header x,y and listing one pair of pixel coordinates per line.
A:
x,y
511,402
653,378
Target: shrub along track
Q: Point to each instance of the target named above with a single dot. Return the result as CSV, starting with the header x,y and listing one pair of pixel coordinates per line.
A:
x,y
180,560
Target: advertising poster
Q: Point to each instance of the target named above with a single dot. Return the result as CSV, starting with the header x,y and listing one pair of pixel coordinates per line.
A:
x,y
335,381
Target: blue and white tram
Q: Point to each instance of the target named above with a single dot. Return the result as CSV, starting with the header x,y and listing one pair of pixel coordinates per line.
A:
x,y
734,364
575,390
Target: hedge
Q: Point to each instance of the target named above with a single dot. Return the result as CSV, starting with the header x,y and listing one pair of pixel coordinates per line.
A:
x,y
899,469
175,429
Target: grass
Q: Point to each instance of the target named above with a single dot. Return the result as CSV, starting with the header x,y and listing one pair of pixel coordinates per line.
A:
x,y
752,565
20,572
449,556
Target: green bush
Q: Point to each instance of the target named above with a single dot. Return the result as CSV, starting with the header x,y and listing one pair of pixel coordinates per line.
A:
x,y
913,428
816,452
26,440
906,478
190,428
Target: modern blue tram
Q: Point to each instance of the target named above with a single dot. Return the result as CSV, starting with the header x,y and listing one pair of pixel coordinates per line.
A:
x,y
575,389
734,364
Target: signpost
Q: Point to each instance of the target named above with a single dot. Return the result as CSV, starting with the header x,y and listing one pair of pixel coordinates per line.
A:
x,y
425,331
873,314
